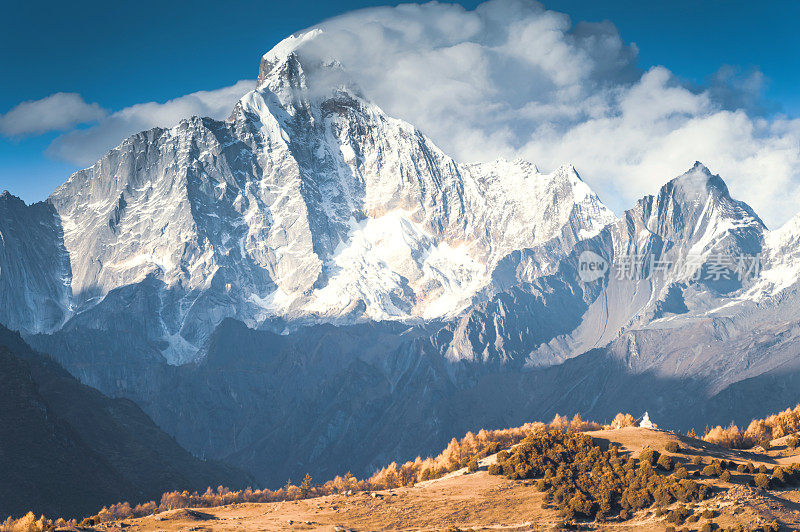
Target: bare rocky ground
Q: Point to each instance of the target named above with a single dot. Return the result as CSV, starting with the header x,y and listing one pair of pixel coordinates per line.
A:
x,y
479,501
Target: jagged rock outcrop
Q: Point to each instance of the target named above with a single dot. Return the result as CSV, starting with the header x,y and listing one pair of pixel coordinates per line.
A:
x,y
308,205
34,267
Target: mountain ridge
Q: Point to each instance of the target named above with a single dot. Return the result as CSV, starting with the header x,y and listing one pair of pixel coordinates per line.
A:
x,y
315,264
273,213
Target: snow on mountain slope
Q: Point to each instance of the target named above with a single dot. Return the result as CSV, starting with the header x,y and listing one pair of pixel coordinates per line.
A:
x,y
780,261
309,204
458,284
677,238
662,264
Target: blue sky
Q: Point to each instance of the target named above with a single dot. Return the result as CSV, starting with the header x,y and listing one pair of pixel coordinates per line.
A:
x,y
120,54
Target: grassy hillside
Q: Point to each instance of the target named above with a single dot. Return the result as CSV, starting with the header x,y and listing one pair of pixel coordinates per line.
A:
x,y
562,475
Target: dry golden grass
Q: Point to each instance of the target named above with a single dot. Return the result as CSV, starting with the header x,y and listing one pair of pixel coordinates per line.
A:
x,y
479,501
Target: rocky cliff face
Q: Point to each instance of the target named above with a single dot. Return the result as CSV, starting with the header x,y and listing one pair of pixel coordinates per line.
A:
x,y
35,272
537,340
308,205
672,254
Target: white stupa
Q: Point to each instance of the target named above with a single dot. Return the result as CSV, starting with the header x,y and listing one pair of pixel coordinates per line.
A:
x,y
645,423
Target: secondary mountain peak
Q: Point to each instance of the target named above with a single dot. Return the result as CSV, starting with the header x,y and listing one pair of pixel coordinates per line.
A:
x,y
699,181
8,198
699,185
696,208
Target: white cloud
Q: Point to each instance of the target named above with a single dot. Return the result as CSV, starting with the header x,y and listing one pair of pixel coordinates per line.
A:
x,y
515,80
57,112
85,146
656,130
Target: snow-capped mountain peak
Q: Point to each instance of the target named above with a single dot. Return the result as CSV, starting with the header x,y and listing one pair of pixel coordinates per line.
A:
x,y
695,212
309,204
282,52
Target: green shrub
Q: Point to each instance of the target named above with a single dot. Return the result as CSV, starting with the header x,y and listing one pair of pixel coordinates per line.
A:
x,y
697,460
662,497
761,480
793,441
495,469
678,515
680,473
473,466
585,482
708,527
709,470
672,447
725,476
649,457
665,462
689,490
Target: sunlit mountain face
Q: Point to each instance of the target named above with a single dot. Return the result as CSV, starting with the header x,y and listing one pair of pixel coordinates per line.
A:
x,y
312,262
